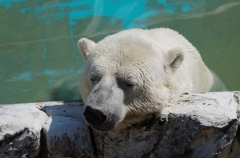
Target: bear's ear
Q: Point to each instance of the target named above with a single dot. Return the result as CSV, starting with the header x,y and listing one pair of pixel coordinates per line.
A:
x,y
174,58
85,46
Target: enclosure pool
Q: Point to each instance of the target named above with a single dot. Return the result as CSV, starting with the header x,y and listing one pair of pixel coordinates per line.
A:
x,y
38,38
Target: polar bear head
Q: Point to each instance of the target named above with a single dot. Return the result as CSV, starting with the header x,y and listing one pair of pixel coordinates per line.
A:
x,y
126,76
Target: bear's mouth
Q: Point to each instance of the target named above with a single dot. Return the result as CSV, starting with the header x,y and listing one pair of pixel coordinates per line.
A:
x,y
107,126
101,129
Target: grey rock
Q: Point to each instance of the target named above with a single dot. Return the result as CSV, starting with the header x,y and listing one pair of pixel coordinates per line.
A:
x,y
20,127
65,132
199,125
196,126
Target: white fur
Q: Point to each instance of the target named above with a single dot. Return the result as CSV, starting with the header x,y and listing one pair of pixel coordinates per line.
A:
x,y
161,61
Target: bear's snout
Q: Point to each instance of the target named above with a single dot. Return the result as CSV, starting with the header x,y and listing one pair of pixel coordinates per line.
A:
x,y
94,116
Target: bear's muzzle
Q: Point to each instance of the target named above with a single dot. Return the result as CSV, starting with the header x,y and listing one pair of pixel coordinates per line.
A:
x,y
94,117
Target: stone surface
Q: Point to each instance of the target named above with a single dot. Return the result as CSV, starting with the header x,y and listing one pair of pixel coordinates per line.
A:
x,y
20,126
65,132
201,125
197,126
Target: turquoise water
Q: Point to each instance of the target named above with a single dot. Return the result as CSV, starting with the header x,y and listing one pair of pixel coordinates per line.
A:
x,y
38,37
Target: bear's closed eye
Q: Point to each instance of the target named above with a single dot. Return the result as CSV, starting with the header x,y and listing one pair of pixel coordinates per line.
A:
x,y
126,84
95,78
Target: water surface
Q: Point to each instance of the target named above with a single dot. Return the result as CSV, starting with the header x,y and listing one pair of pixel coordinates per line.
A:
x,y
38,37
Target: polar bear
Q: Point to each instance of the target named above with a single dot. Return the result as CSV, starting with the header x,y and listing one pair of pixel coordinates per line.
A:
x,y
135,72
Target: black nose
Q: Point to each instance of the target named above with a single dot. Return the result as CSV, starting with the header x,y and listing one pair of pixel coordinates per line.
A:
x,y
94,116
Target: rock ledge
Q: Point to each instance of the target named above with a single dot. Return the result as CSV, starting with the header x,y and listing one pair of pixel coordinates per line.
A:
x,y
197,126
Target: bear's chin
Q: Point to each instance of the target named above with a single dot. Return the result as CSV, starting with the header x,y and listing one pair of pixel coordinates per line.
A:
x,y
107,126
